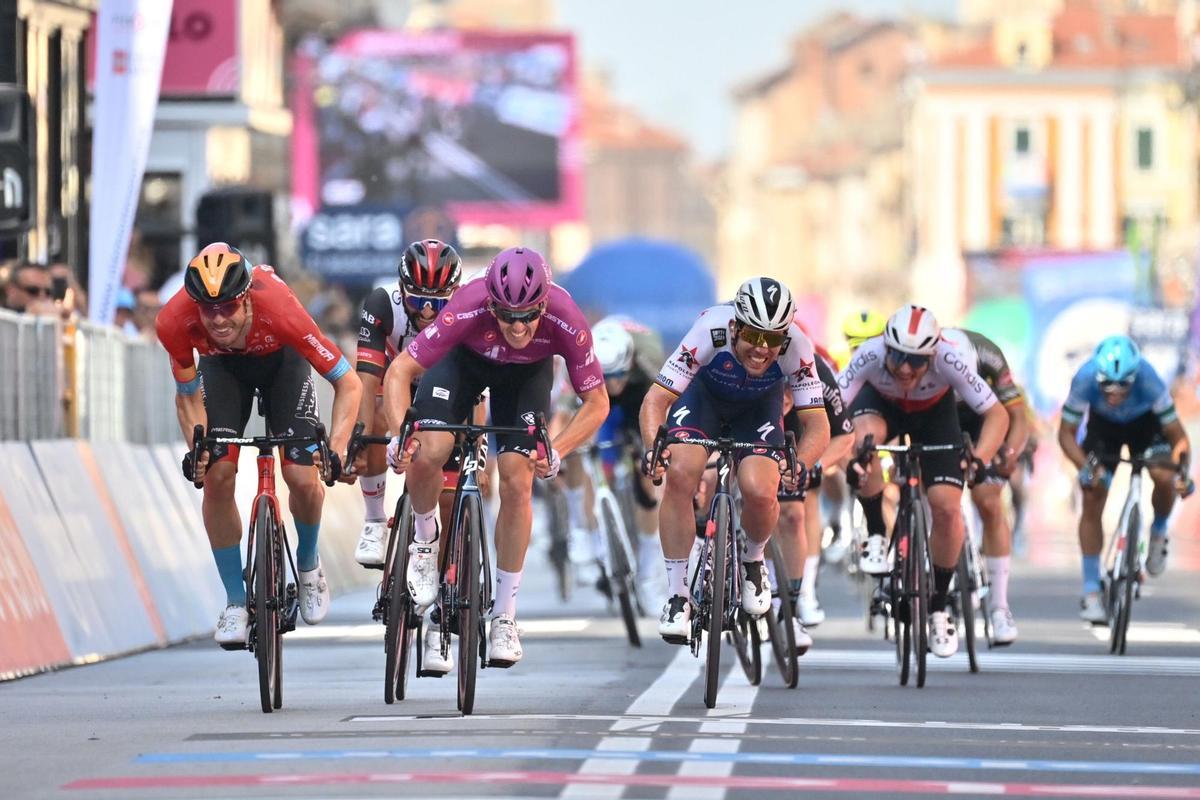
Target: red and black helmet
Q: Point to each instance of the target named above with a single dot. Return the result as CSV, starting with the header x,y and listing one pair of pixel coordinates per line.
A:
x,y
430,267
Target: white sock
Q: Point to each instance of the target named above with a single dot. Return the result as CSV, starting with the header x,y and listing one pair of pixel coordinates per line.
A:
x,y
677,573
809,587
575,510
507,586
425,527
599,550
754,550
373,488
998,571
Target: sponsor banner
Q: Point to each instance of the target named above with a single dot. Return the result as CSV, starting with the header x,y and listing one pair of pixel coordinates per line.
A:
x,y
483,123
131,41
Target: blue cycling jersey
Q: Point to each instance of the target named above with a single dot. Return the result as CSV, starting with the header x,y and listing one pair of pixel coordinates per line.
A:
x,y
1149,394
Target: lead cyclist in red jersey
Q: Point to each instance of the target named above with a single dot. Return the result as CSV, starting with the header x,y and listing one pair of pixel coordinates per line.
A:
x,y
251,333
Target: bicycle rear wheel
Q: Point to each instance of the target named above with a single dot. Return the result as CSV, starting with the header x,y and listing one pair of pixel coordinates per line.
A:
x,y
747,641
721,532
620,565
966,608
559,554
469,540
397,638
267,640
919,590
780,628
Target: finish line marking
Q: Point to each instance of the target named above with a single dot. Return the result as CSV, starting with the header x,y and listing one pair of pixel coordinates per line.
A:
x,y
714,756
634,721
782,784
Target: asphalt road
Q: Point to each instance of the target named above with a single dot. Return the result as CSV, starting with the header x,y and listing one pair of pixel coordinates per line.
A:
x,y
586,716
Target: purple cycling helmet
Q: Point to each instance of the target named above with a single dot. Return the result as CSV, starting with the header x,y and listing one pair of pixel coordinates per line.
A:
x,y
518,277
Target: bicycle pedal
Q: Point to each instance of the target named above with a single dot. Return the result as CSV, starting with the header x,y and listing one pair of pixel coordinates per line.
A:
x,y
372,566
682,640
233,645
492,662
431,673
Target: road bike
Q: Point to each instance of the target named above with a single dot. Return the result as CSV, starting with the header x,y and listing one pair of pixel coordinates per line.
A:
x,y
618,578
271,596
716,585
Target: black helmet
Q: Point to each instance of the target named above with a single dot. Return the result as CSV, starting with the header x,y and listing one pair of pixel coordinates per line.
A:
x,y
430,266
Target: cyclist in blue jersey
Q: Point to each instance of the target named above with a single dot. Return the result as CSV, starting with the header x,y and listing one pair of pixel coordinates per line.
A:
x,y
727,378
1125,402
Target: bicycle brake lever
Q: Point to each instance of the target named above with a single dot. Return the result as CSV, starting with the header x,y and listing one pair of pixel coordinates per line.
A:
x,y
197,449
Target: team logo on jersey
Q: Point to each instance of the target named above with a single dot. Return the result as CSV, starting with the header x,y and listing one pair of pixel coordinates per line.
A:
x,y
489,336
727,366
720,336
687,356
528,418
581,338
679,414
807,370
447,319
765,429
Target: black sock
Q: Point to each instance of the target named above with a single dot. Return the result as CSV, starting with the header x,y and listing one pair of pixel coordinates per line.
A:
x,y
873,512
941,587
794,588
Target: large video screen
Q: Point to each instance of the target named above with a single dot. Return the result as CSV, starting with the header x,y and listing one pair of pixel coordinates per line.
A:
x,y
483,124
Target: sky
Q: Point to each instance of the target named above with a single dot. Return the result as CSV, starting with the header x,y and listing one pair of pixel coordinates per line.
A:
x,y
677,61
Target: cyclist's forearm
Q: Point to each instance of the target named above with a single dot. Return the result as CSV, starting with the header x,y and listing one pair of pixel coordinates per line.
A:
x,y
1070,448
366,402
991,435
1018,427
1177,438
815,438
839,447
585,423
347,391
397,390
654,413
189,408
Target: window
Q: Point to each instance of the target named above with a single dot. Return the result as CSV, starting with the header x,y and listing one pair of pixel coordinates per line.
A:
x,y
1021,141
1145,148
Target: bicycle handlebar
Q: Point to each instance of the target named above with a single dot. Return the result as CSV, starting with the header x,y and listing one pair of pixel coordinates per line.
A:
x,y
411,425
202,443
723,446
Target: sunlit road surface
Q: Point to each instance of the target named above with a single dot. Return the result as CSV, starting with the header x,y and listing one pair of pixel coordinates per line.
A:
x,y
586,716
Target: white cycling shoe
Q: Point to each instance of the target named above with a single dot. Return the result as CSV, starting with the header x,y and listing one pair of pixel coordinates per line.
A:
x,y
803,638
675,624
1091,609
943,636
810,611
756,588
372,543
431,658
873,560
422,573
313,595
1156,555
231,626
1004,627
504,644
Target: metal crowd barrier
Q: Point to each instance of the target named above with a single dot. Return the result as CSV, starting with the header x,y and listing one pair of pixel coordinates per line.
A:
x,y
82,380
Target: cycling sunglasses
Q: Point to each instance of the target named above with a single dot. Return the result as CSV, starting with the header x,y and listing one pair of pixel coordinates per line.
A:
x,y
511,316
756,338
416,303
1115,386
36,291
226,310
898,358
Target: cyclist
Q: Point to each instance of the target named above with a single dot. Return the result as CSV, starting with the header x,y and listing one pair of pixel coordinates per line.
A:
x,y
987,494
629,355
429,272
800,522
252,334
905,382
746,355
1125,403
501,331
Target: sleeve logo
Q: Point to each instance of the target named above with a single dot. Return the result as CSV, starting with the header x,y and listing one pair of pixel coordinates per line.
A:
x,y
720,336
687,356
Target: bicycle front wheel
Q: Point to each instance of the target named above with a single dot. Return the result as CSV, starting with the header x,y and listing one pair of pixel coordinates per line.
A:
x,y
965,590
397,636
1123,590
721,531
620,561
267,598
919,589
780,628
470,617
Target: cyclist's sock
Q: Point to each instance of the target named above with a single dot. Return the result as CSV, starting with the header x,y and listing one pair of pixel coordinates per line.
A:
x,y
1158,528
425,526
306,545
998,571
941,587
755,551
598,547
373,488
575,511
796,589
229,565
873,514
507,586
677,569
811,565
1091,574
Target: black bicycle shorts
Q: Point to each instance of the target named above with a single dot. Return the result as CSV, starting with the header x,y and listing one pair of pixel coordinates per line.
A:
x,y
937,424
285,380
701,414
519,392
1105,437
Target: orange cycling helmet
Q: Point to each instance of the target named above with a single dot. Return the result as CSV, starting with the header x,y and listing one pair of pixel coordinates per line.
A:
x,y
218,274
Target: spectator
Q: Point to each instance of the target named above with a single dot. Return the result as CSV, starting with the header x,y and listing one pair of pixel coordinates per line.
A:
x,y
30,290
67,292
123,317
145,310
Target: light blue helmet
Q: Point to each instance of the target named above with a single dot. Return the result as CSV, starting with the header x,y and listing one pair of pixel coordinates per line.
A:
x,y
1117,359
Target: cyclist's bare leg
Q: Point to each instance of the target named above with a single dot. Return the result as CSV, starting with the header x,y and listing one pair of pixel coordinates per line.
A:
x,y
758,479
677,516
306,495
222,521
945,538
812,560
870,485
515,520
997,538
424,476
1091,531
1162,499
792,538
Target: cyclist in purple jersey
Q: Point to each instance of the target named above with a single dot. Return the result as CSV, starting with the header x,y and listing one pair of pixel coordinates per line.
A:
x,y
500,331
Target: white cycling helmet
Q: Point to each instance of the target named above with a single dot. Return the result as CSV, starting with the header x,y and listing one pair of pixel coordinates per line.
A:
x,y
962,343
613,346
764,303
912,329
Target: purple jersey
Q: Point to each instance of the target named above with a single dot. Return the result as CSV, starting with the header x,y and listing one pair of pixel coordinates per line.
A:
x,y
467,321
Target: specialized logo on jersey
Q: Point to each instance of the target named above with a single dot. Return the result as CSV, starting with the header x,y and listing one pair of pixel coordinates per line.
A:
x,y
687,356
679,415
765,429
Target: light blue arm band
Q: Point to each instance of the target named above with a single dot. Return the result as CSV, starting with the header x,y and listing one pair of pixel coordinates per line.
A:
x,y
339,369
189,388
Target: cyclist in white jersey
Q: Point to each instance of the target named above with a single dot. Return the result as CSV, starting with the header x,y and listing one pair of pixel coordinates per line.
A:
x,y
905,381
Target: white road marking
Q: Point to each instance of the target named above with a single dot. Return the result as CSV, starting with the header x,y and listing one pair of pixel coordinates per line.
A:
x,y
1153,633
